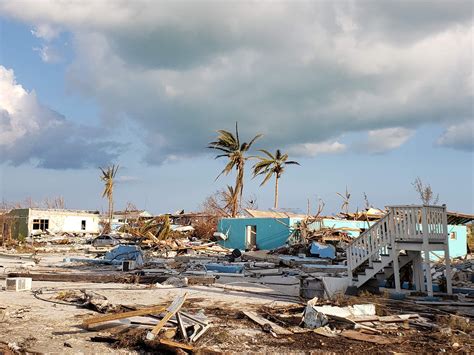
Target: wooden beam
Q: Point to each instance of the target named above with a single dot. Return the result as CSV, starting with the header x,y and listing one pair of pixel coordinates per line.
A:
x,y
172,309
175,344
265,323
116,316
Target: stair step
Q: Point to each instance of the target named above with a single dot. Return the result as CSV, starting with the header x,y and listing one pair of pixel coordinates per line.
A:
x,y
384,254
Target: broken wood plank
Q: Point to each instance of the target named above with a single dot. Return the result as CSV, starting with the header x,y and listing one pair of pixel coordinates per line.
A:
x,y
397,318
362,319
181,327
116,316
171,311
325,333
377,339
200,333
175,344
265,323
367,328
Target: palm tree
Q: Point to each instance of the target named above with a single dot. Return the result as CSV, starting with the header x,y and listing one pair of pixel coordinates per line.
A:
x,y
234,151
270,165
345,203
108,175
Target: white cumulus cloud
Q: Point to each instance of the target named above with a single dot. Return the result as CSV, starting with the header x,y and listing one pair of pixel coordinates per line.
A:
x,y
460,136
313,149
32,132
45,31
386,139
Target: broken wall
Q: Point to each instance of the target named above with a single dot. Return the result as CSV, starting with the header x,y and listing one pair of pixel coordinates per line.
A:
x,y
271,233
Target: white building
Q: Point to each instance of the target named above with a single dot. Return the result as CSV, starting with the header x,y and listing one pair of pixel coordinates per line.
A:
x,y
28,221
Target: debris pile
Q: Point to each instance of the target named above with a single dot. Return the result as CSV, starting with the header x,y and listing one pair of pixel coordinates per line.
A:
x,y
168,327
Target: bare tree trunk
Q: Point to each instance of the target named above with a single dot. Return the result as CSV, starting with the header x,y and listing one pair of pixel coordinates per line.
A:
x,y
275,205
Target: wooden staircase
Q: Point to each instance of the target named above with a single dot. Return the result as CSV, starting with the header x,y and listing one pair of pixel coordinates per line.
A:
x,y
406,234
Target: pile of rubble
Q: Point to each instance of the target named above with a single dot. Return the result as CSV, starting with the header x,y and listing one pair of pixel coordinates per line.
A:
x,y
462,274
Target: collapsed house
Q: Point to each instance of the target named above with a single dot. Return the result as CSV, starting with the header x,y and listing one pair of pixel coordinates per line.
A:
x,y
25,222
127,217
266,230
399,245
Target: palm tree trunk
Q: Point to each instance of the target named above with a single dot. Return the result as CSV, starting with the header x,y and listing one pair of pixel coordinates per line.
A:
x,y
275,205
239,184
111,211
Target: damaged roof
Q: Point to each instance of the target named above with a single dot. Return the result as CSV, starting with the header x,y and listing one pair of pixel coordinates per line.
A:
x,y
459,218
271,214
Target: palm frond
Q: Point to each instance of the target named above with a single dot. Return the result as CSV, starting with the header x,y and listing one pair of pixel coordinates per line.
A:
x,y
254,139
267,177
267,153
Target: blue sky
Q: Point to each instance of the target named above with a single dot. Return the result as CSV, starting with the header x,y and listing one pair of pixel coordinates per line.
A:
x,y
362,96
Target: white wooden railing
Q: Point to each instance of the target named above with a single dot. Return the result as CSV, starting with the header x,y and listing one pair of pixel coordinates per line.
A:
x,y
400,224
419,223
374,241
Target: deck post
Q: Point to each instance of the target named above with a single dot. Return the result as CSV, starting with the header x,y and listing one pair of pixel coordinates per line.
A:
x,y
416,271
426,250
396,269
449,281
421,276
349,266
447,258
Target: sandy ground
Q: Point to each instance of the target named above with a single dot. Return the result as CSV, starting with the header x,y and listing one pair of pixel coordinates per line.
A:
x,y
46,327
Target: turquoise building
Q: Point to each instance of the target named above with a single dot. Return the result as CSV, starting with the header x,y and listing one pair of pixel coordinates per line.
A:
x,y
266,233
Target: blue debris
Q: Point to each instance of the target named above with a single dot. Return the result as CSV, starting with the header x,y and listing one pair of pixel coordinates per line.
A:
x,y
115,256
233,269
125,252
398,296
323,250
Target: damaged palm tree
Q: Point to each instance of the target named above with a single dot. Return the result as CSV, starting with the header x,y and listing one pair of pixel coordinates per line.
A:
x,y
108,176
155,229
425,192
270,165
231,148
345,203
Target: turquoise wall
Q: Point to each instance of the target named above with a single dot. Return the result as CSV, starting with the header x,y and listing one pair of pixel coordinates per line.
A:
x,y
271,232
457,246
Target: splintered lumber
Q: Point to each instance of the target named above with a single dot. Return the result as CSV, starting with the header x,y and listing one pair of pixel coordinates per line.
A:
x,y
181,327
116,316
377,339
175,344
266,323
385,319
397,318
325,333
367,328
171,311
